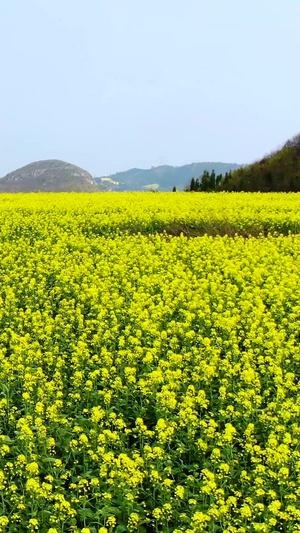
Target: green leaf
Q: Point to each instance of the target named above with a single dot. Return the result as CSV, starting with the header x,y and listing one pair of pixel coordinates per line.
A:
x,y
86,513
121,529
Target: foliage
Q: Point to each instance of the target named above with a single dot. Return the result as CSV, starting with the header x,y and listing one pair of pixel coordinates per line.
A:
x,y
280,171
149,383
208,182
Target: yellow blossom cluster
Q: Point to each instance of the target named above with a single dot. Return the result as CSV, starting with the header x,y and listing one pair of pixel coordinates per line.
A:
x,y
129,213
149,382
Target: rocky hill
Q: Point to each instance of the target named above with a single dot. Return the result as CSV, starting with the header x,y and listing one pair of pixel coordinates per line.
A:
x,y
162,178
50,176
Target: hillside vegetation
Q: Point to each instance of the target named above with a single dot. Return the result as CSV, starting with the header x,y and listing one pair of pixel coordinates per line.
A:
x,y
278,171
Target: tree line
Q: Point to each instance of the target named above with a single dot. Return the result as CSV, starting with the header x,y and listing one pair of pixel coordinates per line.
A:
x,y
208,182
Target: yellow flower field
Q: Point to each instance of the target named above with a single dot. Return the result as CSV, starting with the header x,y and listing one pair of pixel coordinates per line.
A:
x,y
150,381
127,213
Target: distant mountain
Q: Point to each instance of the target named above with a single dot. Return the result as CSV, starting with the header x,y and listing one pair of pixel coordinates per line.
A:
x,y
50,176
162,178
278,171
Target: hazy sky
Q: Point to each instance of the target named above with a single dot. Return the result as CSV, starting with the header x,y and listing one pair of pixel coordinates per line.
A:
x,y
114,84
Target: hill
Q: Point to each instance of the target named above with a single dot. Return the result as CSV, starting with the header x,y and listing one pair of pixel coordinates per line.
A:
x,y
276,172
162,178
50,176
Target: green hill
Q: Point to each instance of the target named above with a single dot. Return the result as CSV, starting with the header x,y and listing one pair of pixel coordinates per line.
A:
x,y
278,171
162,178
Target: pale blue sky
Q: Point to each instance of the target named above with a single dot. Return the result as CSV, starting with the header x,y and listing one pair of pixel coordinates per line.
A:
x,y
114,84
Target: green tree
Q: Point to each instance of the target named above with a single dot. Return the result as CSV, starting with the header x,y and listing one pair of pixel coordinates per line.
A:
x,y
212,180
205,181
219,180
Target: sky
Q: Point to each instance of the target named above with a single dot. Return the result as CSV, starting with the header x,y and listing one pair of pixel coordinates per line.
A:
x,y
112,84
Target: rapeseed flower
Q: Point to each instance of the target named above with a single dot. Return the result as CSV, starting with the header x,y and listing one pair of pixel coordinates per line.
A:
x,y
149,380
